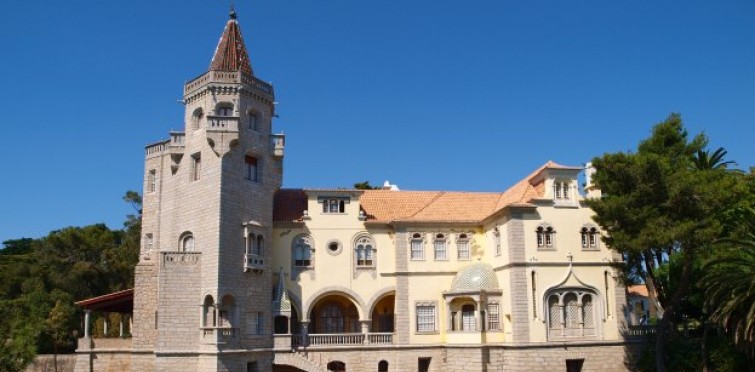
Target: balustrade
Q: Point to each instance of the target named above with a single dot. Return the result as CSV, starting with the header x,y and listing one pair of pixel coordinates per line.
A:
x,y
336,339
229,123
180,258
253,262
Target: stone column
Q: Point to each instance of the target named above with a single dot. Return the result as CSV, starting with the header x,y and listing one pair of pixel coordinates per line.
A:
x,y
104,325
87,316
480,319
366,330
449,317
120,327
304,332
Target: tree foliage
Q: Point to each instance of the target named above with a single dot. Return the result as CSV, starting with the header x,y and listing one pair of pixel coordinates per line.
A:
x,y
662,214
41,278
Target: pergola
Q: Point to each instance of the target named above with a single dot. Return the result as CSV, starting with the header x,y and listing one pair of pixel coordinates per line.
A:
x,y
117,302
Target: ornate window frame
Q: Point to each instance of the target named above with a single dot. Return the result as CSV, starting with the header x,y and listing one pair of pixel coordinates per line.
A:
x,y
567,315
417,237
590,237
545,237
186,242
464,237
425,304
370,248
298,254
440,246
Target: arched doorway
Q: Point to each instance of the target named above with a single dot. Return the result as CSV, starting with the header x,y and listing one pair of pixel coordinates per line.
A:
x,y
383,315
334,314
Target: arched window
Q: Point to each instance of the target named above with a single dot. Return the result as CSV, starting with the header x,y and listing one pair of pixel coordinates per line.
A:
x,y
226,313
337,366
571,313
208,312
468,322
589,237
497,240
224,109
187,243
251,241
462,246
383,366
439,247
259,246
196,118
303,251
545,236
417,246
365,251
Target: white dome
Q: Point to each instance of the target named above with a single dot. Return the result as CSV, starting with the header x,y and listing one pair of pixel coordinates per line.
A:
x,y
475,277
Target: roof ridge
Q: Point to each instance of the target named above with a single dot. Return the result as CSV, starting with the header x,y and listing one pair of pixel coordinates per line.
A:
x,y
440,193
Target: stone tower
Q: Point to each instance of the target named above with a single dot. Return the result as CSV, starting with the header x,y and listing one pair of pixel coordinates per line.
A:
x,y
203,284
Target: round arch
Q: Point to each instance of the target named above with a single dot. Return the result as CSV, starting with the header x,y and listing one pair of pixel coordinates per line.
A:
x,y
337,291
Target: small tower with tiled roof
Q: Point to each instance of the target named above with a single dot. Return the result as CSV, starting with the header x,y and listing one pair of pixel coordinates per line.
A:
x,y
207,222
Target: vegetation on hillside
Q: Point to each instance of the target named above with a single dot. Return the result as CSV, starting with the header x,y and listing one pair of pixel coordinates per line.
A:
x,y
41,278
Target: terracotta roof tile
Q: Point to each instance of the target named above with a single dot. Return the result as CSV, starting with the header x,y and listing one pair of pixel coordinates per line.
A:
x,y
430,206
231,54
639,289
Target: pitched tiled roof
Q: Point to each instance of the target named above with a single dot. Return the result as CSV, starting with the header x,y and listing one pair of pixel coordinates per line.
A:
x,y
425,206
638,290
289,205
231,54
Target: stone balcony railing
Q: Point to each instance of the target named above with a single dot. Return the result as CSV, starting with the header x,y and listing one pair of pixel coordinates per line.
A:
x,y
217,335
279,144
228,77
180,258
222,123
156,148
334,339
254,262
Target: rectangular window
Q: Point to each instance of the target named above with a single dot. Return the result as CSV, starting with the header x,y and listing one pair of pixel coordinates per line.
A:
x,y
196,167
152,180
255,323
463,248
497,241
252,367
252,171
253,121
494,321
334,206
418,251
425,318
148,242
440,250
574,365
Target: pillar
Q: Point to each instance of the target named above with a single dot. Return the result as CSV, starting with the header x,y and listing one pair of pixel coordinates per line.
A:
x,y
480,320
87,316
304,332
365,330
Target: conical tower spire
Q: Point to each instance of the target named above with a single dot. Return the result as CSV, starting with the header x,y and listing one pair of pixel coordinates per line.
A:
x,y
231,54
281,303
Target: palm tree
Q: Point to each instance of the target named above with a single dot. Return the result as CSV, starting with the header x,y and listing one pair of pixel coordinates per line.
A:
x,y
729,285
704,160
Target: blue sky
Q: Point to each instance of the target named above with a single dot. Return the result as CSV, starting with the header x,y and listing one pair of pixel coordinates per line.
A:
x,y
431,95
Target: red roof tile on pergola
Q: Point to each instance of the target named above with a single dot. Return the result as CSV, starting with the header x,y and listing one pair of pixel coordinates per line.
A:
x,y
116,302
231,54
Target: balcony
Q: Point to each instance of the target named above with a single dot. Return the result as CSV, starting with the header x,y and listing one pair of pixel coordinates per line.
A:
x,y
254,263
286,342
217,335
232,77
279,144
180,258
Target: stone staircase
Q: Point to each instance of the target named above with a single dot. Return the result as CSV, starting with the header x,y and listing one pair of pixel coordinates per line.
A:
x,y
299,360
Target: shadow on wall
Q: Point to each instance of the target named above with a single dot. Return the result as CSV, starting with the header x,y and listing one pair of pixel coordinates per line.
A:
x,y
44,363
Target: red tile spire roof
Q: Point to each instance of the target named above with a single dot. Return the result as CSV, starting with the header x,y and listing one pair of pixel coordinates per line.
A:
x,y
231,54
